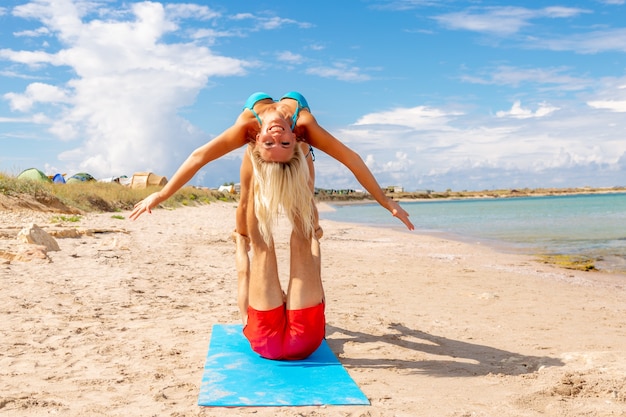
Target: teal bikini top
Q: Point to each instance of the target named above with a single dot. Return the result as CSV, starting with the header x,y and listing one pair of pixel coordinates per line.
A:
x,y
256,97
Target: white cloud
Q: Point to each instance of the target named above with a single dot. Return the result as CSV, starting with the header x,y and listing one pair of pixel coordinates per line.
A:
x,y
612,105
36,93
30,58
290,57
429,147
587,42
610,96
548,78
420,117
518,112
316,47
508,21
401,5
502,20
42,31
128,86
209,35
340,71
270,22
37,118
560,11
190,11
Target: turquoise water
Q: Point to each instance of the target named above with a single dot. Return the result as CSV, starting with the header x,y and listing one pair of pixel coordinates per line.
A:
x,y
590,225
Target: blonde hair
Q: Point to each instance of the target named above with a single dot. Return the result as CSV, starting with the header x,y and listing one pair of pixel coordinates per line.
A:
x,y
282,187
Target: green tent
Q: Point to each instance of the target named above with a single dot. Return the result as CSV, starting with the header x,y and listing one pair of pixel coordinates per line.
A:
x,y
80,177
33,174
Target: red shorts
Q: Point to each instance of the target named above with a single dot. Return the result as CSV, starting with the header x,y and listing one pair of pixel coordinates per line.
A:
x,y
283,334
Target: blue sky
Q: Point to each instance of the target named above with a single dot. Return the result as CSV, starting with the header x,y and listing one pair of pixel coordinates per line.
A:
x,y
462,95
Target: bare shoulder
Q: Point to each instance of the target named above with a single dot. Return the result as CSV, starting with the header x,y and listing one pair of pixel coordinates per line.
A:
x,y
306,118
247,125
316,135
306,124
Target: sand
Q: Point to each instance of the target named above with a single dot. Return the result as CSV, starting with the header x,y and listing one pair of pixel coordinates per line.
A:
x,y
117,323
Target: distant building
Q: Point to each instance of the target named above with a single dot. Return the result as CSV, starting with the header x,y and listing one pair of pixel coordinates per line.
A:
x,y
325,191
394,189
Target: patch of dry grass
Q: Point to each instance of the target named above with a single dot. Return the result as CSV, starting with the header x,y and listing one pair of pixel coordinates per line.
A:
x,y
101,197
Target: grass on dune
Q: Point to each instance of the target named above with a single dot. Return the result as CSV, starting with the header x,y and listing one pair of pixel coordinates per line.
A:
x,y
93,196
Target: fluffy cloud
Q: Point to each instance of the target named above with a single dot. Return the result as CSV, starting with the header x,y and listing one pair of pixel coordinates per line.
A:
x,y
422,148
128,86
518,112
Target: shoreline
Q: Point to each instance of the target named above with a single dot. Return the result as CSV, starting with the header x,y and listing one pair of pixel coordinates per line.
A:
x,y
467,195
590,260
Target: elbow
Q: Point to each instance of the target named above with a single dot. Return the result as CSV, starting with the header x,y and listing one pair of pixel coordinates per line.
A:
x,y
354,159
196,159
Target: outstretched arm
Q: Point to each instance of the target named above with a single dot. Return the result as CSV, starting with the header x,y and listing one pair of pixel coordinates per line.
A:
x,y
319,138
232,138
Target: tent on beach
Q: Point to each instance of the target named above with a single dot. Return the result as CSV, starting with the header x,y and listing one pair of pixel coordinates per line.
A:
x,y
80,177
227,189
58,179
118,179
147,179
33,174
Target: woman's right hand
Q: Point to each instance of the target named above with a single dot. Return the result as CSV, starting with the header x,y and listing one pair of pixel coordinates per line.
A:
x,y
401,214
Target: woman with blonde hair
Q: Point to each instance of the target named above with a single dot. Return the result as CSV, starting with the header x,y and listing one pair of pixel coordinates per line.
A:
x,y
277,174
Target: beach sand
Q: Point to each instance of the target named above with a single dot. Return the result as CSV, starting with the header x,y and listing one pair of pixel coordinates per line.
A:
x,y
117,323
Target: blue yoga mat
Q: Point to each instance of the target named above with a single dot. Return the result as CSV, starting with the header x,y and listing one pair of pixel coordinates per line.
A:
x,y
235,376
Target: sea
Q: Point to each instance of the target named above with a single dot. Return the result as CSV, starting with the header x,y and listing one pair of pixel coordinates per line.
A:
x,y
581,225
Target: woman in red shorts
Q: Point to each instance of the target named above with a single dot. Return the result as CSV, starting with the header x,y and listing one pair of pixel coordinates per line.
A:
x,y
277,173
